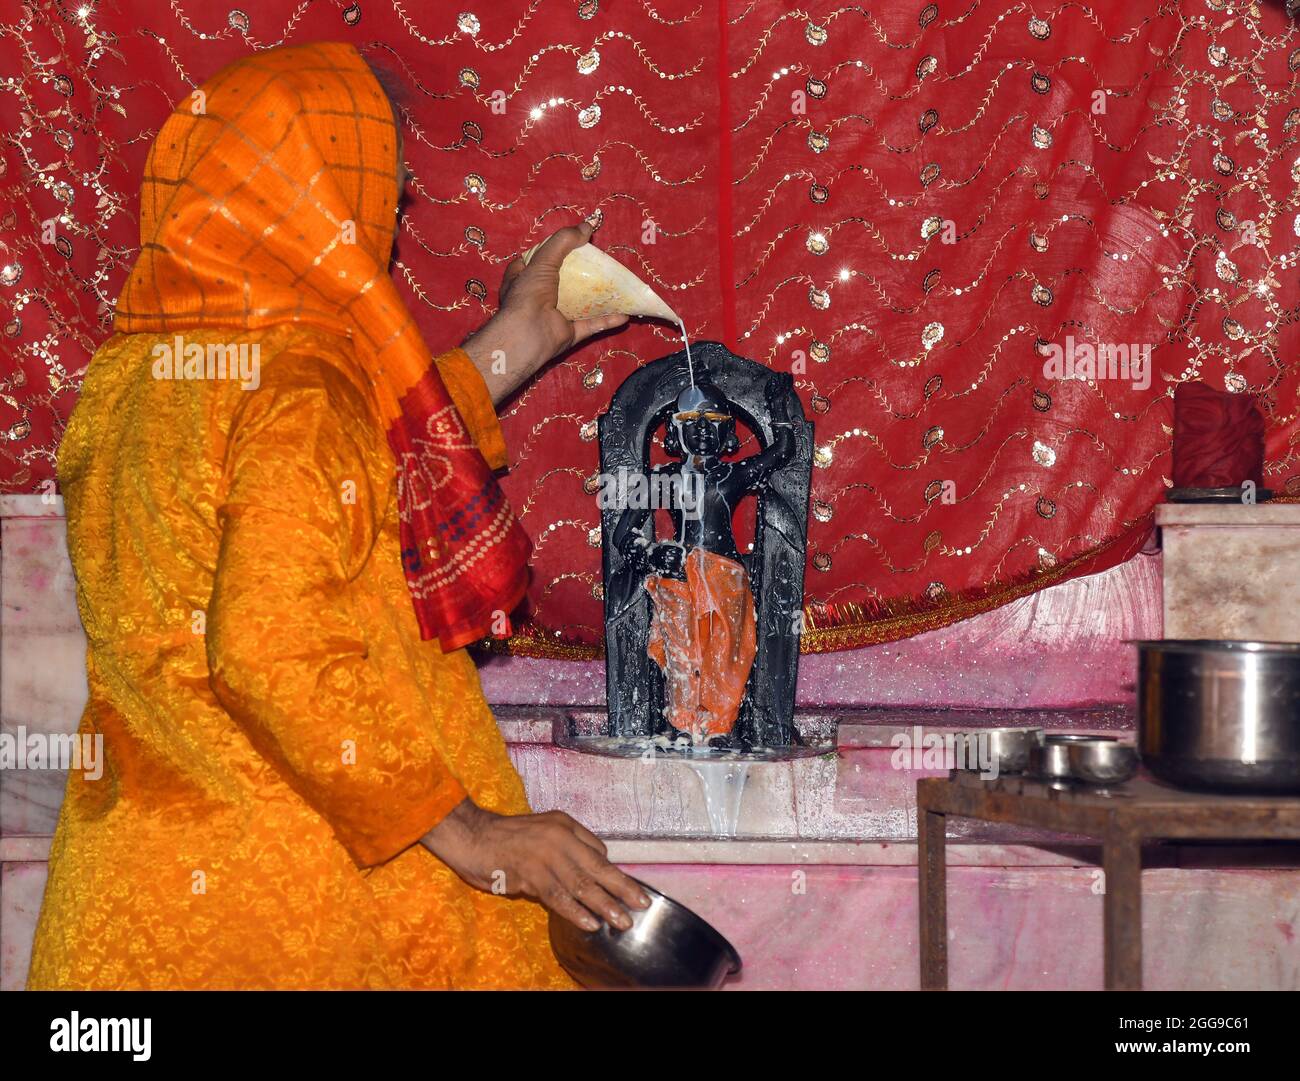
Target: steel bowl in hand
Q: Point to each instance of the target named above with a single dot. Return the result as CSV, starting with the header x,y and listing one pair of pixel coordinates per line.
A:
x,y
667,945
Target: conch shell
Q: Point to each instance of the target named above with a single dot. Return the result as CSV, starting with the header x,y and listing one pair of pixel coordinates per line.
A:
x,y
593,283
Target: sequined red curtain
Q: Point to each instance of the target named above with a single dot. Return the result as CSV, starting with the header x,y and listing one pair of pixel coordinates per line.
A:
x,y
908,205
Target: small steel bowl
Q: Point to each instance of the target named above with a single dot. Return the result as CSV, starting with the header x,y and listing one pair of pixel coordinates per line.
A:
x,y
667,945
1102,761
1049,759
1008,748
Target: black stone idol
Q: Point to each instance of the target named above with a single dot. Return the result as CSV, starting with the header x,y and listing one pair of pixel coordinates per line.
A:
x,y
701,639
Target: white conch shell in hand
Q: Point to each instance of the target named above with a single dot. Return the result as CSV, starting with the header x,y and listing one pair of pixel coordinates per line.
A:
x,y
593,283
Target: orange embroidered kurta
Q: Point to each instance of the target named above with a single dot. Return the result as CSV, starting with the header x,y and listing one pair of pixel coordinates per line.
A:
x,y
277,736
241,473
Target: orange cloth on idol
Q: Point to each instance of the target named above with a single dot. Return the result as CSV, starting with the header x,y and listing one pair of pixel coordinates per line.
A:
x,y
277,735
702,634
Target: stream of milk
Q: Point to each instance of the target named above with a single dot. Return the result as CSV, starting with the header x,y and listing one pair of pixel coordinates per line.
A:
x,y
723,784
690,365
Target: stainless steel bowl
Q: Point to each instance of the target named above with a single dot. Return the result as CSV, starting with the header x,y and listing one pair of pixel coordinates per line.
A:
x,y
1008,749
1049,759
1101,760
667,945
1220,715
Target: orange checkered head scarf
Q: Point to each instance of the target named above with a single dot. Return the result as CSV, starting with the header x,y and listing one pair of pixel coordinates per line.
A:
x,y
269,197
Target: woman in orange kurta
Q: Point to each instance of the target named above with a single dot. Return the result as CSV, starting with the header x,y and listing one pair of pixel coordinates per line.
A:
x,y
279,733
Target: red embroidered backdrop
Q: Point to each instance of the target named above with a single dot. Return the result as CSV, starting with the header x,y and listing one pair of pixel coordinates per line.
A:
x,y
914,207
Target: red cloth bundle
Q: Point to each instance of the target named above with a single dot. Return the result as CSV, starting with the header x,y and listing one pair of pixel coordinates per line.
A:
x,y
1218,438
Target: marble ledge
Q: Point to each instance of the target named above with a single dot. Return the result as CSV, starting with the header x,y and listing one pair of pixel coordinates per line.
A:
x,y
725,851
844,728
732,852
1237,515
31,506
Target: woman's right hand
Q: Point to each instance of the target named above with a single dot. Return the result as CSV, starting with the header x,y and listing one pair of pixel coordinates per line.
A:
x,y
528,330
549,857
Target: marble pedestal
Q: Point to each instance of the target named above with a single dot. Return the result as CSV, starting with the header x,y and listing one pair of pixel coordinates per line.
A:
x,y
1230,570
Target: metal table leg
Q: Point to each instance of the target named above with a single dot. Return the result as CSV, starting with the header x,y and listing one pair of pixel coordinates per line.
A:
x,y
933,900
1122,862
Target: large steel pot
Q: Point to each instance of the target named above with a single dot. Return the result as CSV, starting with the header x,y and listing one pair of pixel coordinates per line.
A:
x,y
1220,715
